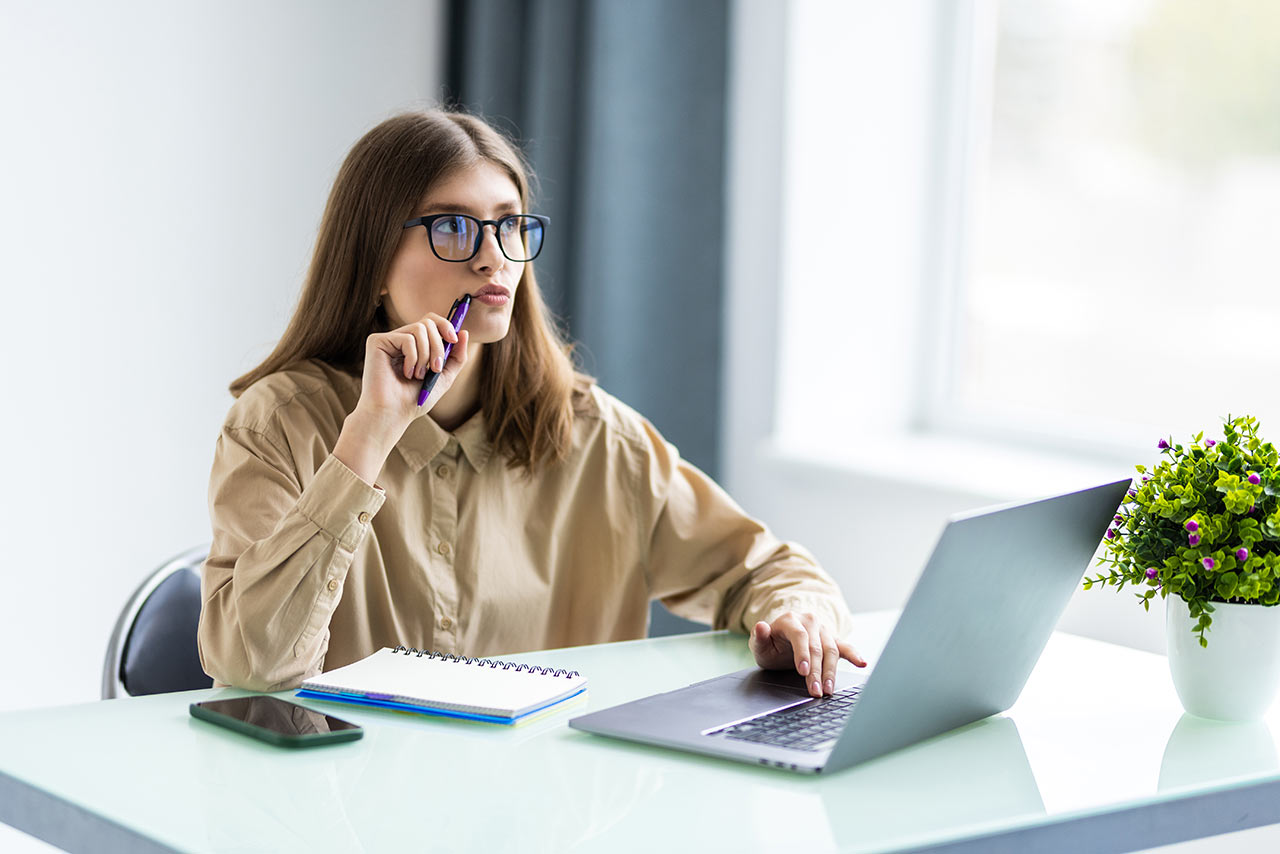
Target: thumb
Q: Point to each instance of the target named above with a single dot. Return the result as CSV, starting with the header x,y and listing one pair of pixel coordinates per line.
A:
x,y
457,357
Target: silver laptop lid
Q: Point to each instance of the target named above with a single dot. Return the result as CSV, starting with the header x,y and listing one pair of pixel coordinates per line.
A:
x,y
978,619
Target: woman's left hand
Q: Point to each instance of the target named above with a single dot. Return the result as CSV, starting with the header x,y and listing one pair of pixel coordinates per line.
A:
x,y
803,641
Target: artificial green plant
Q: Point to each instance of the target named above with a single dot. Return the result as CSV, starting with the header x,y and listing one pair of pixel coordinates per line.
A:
x,y
1203,524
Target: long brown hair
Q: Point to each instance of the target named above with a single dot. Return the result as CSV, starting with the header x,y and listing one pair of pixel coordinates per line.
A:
x,y
529,388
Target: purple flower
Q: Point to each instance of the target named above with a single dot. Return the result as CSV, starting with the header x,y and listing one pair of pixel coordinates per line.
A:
x,y
1146,477
1209,443
1133,493
1254,479
1193,540
1253,507
1192,525
1111,533
1162,444
1119,518
1208,563
1152,572
1242,554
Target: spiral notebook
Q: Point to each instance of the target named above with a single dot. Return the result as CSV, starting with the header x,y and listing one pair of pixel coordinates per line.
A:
x,y
432,683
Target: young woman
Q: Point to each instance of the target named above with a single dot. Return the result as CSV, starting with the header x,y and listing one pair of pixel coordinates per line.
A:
x,y
521,507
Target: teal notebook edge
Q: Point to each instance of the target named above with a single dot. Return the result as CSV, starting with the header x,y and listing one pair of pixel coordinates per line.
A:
x,y
359,700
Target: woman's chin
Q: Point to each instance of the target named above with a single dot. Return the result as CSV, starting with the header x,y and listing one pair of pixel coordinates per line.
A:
x,y
487,333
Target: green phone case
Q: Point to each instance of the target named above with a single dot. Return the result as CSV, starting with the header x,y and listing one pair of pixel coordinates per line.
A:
x,y
270,736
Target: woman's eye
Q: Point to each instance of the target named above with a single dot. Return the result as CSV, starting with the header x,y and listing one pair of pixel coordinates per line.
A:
x,y
449,225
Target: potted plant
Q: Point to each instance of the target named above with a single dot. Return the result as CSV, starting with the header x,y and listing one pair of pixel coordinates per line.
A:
x,y
1204,526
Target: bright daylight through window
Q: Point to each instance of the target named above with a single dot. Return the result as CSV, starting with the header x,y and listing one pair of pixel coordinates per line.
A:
x,y
1122,226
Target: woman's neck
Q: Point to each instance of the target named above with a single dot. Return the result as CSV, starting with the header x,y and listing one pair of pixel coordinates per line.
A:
x,y
462,399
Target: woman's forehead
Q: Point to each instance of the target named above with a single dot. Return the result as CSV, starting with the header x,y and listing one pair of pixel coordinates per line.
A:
x,y
482,188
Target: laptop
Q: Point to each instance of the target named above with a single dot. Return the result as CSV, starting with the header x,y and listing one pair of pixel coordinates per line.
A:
x,y
971,632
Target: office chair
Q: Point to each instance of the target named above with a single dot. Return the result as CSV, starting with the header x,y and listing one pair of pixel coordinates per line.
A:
x,y
153,647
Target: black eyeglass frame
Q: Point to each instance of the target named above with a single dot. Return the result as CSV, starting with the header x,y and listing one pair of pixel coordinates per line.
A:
x,y
475,250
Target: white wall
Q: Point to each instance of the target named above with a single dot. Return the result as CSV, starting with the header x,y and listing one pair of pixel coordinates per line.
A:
x,y
164,169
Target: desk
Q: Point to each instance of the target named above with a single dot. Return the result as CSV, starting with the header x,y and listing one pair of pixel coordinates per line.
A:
x,y
1096,756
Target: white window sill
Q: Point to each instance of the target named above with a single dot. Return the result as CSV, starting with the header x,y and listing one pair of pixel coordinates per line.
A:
x,y
953,464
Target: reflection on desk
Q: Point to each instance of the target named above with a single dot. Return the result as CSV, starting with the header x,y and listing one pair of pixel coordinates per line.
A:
x,y
1203,752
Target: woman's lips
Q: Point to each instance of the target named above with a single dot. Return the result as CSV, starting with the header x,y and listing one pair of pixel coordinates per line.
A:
x,y
494,299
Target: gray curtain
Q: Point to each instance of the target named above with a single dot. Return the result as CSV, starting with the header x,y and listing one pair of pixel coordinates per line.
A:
x,y
620,107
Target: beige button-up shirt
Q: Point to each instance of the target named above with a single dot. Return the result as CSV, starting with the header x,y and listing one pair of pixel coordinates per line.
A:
x,y
312,568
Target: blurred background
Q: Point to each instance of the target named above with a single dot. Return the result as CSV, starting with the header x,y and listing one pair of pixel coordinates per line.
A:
x,y
897,260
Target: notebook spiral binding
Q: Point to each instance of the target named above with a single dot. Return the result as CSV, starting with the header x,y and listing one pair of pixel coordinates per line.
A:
x,y
491,662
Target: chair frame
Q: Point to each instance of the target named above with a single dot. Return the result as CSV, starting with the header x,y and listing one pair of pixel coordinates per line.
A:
x,y
112,684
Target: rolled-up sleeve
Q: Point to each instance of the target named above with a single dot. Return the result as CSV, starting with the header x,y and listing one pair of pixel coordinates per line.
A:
x,y
282,547
709,560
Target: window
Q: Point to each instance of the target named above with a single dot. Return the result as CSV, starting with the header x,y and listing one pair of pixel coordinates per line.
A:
x,y
1047,222
1120,221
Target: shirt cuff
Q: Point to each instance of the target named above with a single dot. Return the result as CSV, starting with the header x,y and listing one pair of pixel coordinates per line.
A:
x,y
339,503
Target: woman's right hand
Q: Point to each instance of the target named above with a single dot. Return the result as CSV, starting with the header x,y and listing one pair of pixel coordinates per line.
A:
x,y
395,364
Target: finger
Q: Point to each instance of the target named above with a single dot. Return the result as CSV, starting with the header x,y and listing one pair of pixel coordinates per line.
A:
x,y
815,658
848,653
435,359
397,344
760,637
799,640
416,347
458,356
830,658
446,329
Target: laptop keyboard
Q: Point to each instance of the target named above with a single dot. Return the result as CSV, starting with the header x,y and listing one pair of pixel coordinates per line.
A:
x,y
805,728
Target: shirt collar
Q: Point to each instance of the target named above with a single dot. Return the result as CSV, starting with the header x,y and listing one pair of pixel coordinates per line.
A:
x,y
424,440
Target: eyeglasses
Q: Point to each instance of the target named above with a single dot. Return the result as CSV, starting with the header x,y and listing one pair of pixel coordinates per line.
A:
x,y
457,237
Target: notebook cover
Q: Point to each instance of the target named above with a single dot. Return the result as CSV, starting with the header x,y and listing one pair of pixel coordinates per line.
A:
x,y
357,700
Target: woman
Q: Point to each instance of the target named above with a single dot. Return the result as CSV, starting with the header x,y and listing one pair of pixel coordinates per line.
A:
x,y
521,507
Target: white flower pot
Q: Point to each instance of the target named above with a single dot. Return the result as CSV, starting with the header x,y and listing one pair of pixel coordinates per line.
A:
x,y
1235,677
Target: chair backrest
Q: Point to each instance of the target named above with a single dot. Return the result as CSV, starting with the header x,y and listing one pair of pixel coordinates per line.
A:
x,y
153,647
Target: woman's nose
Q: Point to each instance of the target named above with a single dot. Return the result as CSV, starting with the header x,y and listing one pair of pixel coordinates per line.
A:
x,y
490,256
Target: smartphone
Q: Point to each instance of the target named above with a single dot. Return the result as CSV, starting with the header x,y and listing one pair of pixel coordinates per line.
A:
x,y
275,721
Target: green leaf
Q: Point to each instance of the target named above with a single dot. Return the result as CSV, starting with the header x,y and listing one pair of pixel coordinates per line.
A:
x,y
1226,585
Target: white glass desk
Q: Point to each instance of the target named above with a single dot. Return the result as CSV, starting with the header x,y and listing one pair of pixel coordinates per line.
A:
x,y
1096,756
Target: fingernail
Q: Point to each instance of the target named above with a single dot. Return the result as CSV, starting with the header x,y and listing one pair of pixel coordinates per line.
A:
x,y
439,364
817,689
831,688
804,668
421,372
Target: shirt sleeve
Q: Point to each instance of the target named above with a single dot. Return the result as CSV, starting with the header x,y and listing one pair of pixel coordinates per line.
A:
x,y
710,561
280,555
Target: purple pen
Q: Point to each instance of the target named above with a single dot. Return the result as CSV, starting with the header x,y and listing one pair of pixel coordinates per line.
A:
x,y
457,314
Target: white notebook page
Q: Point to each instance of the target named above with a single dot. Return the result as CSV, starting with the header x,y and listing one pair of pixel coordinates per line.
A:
x,y
444,684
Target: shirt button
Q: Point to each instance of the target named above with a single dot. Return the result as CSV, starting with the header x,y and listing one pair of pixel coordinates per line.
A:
x,y
443,471
443,548
333,584
364,518
446,623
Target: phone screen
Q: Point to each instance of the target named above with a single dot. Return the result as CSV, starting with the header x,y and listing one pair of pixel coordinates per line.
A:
x,y
276,721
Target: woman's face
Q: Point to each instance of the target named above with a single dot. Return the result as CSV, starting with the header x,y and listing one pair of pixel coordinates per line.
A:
x,y
419,282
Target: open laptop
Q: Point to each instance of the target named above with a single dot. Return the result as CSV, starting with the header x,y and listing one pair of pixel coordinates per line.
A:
x,y
975,625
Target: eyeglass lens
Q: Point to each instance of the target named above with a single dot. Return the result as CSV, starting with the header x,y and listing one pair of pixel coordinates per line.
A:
x,y
456,238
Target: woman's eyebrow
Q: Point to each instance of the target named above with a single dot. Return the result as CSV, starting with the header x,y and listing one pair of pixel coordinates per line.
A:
x,y
454,207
